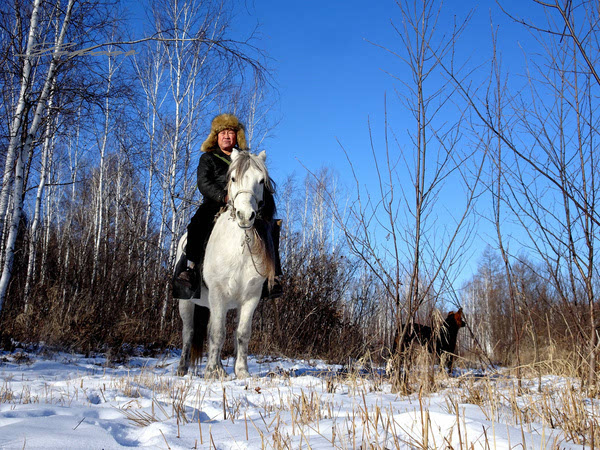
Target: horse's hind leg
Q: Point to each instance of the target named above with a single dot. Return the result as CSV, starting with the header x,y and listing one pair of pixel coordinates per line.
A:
x,y
186,311
244,330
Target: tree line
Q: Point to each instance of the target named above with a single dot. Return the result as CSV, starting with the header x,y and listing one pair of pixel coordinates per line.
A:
x,y
100,145
100,142
100,150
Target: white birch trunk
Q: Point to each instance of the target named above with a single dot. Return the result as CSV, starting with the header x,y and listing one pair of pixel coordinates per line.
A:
x,y
149,75
40,193
37,209
17,121
173,211
47,221
74,168
99,217
118,201
145,249
14,225
176,89
51,201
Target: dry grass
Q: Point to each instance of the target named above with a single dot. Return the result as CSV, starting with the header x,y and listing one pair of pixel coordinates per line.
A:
x,y
6,394
142,418
417,372
551,400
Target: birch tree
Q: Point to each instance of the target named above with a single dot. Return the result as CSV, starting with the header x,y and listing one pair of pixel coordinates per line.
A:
x,y
102,147
47,62
21,149
44,174
18,117
150,74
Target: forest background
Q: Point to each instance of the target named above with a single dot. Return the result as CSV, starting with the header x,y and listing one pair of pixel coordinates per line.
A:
x,y
427,157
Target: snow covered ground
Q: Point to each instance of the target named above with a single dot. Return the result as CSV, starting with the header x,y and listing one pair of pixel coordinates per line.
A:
x,y
69,401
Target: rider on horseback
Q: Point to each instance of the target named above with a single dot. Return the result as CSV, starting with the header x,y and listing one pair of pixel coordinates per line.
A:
x,y
226,134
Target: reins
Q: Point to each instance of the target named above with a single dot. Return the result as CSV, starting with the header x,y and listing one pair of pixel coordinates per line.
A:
x,y
247,241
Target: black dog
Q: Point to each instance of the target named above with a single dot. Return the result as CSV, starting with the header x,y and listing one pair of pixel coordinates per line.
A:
x,y
438,343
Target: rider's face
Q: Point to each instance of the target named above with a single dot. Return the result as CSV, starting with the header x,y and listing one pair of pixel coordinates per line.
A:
x,y
227,139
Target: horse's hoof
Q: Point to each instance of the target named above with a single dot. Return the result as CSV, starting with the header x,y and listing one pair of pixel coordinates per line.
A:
x,y
214,373
182,371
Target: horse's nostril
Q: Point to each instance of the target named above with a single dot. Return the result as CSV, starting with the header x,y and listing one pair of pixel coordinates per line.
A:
x,y
239,214
252,215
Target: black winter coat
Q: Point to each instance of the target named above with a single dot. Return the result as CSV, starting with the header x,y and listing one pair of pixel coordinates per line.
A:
x,y
212,176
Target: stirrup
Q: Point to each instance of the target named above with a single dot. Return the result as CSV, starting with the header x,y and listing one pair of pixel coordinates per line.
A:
x,y
275,292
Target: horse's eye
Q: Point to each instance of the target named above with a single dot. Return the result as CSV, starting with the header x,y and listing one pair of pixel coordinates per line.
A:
x,y
262,181
233,179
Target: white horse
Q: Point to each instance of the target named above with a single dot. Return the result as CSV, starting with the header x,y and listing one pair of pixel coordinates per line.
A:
x,y
237,261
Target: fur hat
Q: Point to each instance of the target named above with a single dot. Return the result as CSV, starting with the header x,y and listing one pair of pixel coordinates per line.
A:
x,y
224,122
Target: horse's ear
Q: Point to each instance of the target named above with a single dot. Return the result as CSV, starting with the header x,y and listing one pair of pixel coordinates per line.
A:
x,y
234,154
458,317
263,155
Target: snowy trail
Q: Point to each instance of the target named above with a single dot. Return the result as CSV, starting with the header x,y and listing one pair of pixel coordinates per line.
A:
x,y
68,401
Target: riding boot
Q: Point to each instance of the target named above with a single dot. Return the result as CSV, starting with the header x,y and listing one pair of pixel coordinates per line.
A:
x,y
198,231
199,258
185,280
276,290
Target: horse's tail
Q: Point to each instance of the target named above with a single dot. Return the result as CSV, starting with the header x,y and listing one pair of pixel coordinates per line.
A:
x,y
201,317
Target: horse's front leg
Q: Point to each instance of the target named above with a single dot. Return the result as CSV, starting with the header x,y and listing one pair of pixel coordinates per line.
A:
x,y
244,330
216,338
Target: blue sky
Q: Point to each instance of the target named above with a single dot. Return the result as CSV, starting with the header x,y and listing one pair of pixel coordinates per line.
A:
x,y
326,74
331,81
330,77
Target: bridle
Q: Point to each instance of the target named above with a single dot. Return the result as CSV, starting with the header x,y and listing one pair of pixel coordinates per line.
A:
x,y
244,191
231,203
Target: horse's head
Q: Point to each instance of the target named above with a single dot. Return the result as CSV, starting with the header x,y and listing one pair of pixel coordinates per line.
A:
x,y
248,179
457,318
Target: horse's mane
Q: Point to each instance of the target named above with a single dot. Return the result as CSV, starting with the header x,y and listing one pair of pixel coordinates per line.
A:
x,y
263,246
243,162
262,229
